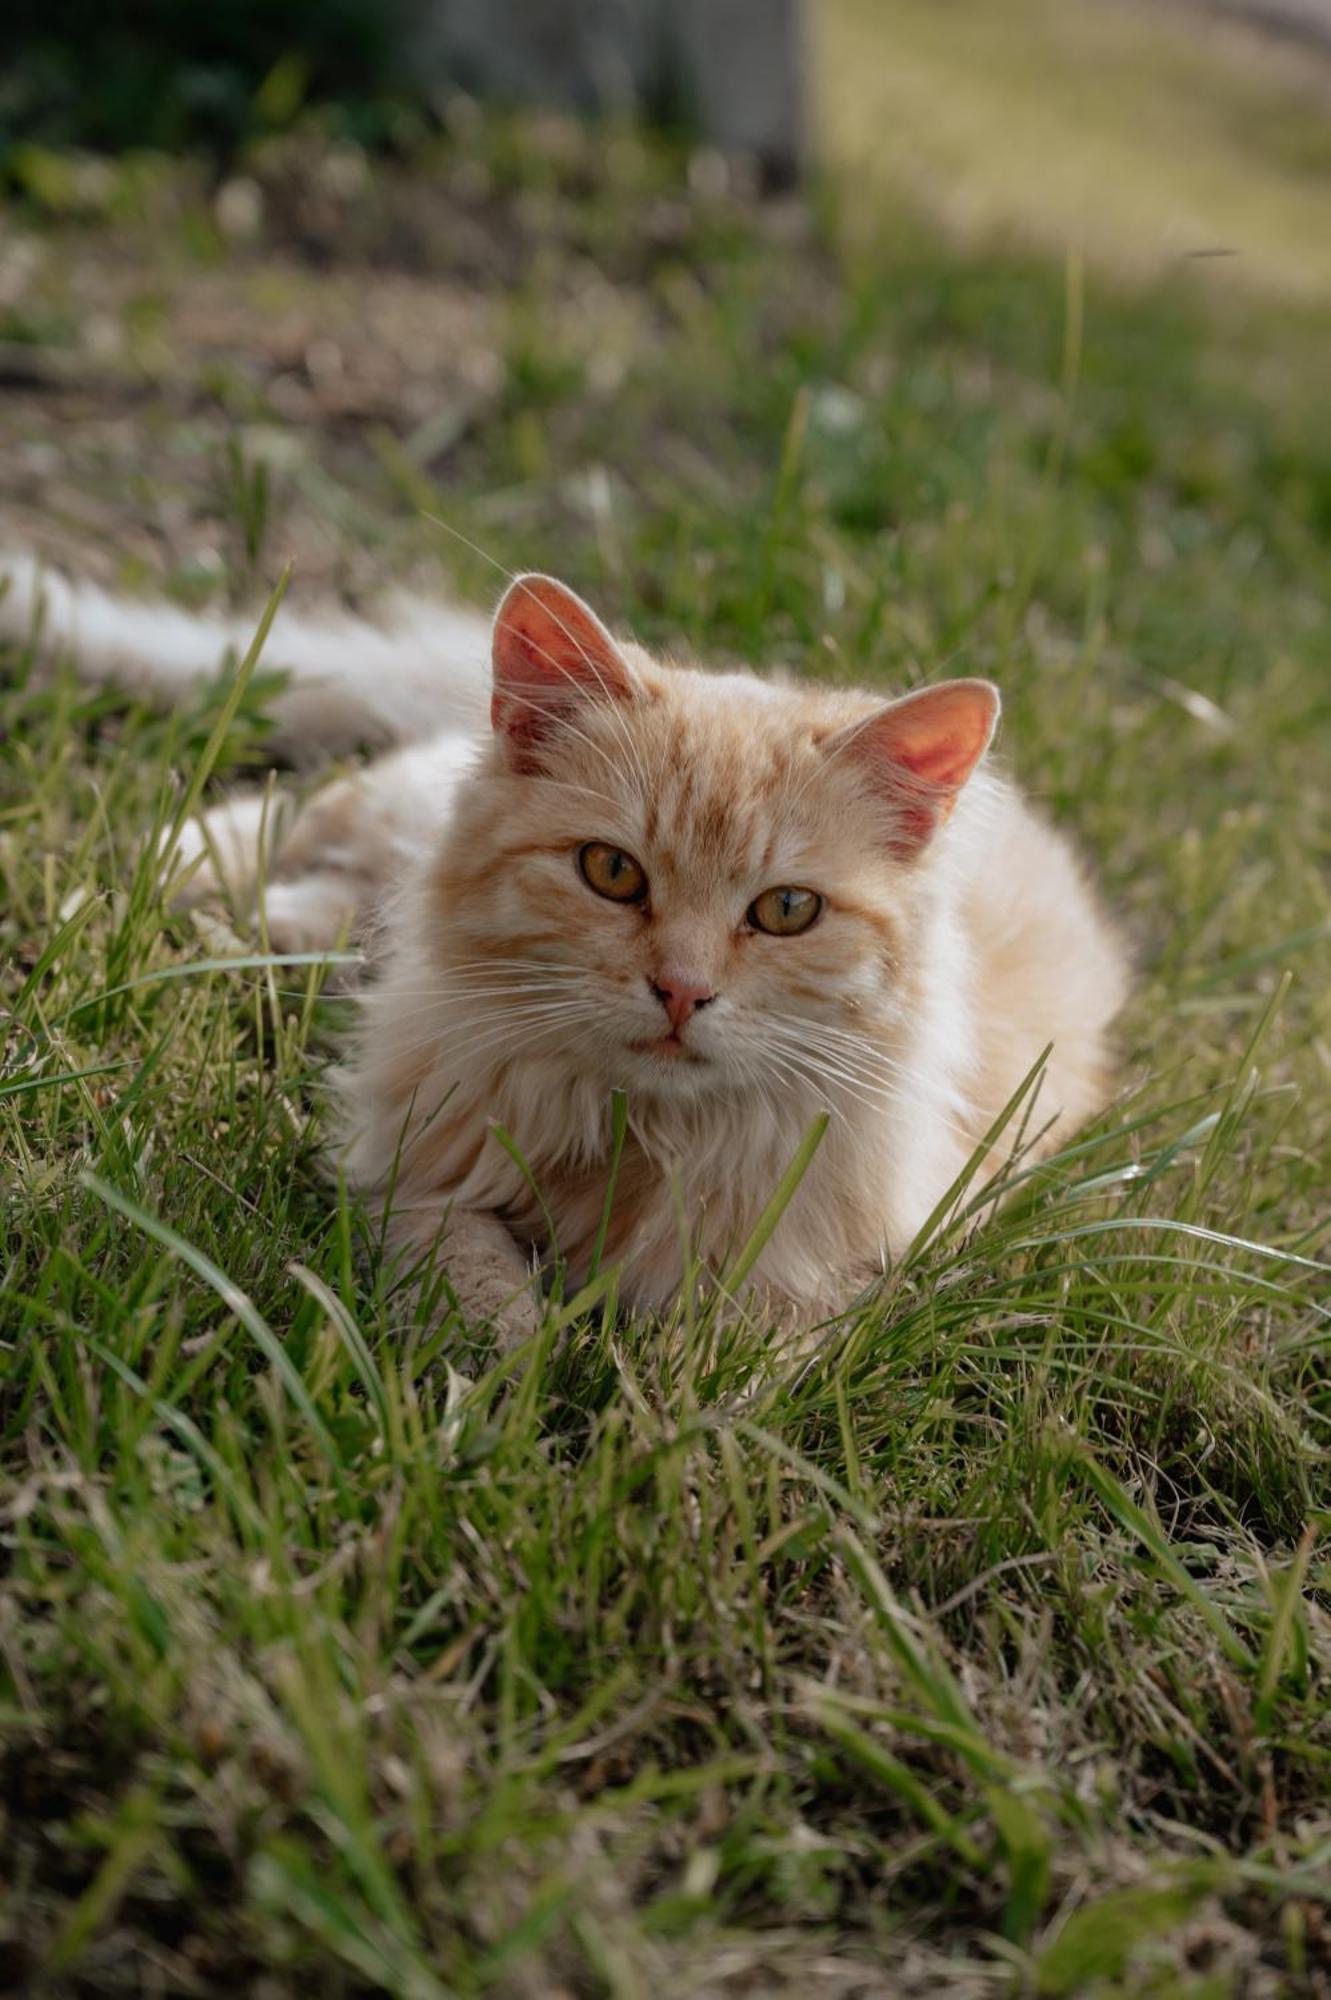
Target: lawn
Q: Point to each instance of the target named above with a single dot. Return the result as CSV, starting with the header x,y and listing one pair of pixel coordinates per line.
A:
x,y
988,1651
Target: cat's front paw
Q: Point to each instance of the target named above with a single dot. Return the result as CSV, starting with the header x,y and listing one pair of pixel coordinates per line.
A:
x,y
488,1274
516,1322
798,1326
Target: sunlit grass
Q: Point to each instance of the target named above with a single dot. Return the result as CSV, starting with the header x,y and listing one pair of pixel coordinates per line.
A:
x,y
1149,136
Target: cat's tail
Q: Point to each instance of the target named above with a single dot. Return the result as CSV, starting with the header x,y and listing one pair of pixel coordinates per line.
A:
x,y
348,682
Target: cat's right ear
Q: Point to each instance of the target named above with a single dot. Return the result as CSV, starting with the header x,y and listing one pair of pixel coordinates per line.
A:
x,y
550,655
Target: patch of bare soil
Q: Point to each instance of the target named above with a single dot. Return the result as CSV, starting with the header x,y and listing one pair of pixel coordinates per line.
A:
x,y
199,382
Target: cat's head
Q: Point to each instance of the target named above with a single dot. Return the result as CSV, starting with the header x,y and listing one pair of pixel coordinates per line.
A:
x,y
687,882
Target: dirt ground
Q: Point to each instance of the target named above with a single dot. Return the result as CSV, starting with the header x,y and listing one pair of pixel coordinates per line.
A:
x,y
202,378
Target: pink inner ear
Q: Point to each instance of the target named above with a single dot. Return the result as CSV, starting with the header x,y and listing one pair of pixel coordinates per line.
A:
x,y
941,733
922,750
550,653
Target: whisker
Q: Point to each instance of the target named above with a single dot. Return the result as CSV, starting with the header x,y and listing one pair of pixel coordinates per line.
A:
x,y
859,1081
495,1026
806,1034
446,1019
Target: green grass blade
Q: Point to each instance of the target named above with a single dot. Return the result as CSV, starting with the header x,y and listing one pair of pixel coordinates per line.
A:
x,y
619,1124
233,1298
1116,1500
765,1227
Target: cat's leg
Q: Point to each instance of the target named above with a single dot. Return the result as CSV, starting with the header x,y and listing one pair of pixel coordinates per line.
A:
x,y
324,863
313,870
222,853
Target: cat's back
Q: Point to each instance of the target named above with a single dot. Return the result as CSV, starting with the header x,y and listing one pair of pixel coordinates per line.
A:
x,y
1048,968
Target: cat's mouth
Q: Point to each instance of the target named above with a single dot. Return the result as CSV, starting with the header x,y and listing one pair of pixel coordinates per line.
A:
x,y
668,1047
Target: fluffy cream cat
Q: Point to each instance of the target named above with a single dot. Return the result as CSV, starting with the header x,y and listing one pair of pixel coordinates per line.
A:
x,y
740,903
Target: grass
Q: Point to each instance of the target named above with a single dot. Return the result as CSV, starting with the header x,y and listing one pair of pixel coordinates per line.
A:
x,y
987,1651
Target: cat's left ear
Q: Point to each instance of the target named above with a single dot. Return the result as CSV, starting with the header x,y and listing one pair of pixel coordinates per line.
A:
x,y
550,655
919,753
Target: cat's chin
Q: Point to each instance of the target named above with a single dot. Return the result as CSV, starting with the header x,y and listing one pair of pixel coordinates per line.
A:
x,y
666,1067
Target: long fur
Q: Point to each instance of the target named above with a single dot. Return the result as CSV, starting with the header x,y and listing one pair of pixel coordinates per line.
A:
x,y
350,684
959,938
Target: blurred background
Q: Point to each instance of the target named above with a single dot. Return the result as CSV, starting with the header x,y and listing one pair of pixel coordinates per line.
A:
x,y
593,279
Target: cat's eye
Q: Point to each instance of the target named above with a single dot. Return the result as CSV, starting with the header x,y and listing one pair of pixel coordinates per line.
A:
x,y
784,912
611,872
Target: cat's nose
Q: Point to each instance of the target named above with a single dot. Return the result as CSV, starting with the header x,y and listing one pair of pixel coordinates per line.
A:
x,y
681,998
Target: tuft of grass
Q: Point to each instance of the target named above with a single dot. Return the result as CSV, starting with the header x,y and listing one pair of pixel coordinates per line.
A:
x,y
984,1650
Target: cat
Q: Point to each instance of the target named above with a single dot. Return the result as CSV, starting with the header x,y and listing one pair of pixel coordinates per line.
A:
x,y
739,902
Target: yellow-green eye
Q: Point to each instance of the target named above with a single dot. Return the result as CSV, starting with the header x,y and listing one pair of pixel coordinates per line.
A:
x,y
611,872
784,912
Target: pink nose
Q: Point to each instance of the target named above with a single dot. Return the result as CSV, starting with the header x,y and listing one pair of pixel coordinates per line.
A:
x,y
681,998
